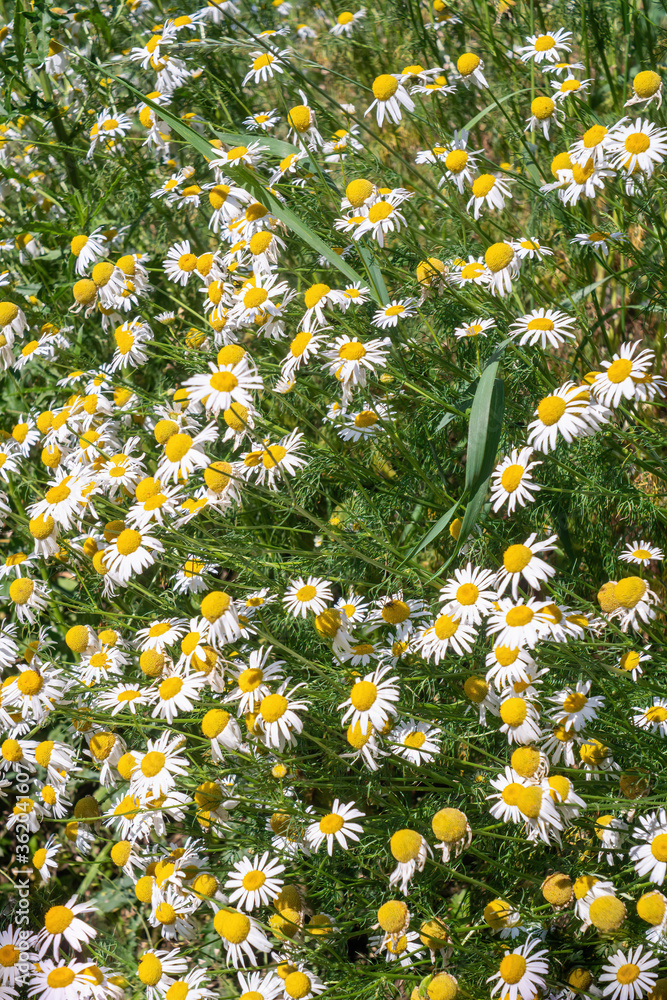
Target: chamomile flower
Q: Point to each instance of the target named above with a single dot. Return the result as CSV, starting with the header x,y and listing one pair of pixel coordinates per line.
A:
x,y
347,22
522,972
646,87
490,191
337,826
520,624
470,69
575,708
476,328
567,412
253,883
241,936
371,701
410,850
157,769
390,96
641,552
130,553
277,721
599,240
390,314
184,454
650,857
543,326
629,976
640,144
307,595
544,112
502,266
264,65
470,595
521,562
512,481
415,742
64,923
619,379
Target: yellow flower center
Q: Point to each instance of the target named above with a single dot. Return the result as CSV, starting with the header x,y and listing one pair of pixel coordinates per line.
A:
x,y
516,558
449,825
363,695
574,702
476,689
331,823
395,612
607,913
456,161
297,985
659,847
646,84
542,108
273,707
232,925
405,845
637,142
384,87
445,627
543,43
467,63
352,351
59,979
498,256
619,370
306,593
177,447
517,617
482,185
630,591
253,880
512,968
550,410
128,541
152,763
223,381
58,919
513,711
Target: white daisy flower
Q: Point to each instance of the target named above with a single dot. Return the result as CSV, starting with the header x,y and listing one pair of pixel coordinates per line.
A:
x,y
470,69
518,624
277,723
476,328
488,190
546,47
568,412
629,977
521,562
416,742
253,883
470,595
390,96
184,454
64,922
641,144
619,380
650,857
543,326
574,708
371,701
307,595
512,482
336,826
522,972
390,314
157,769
